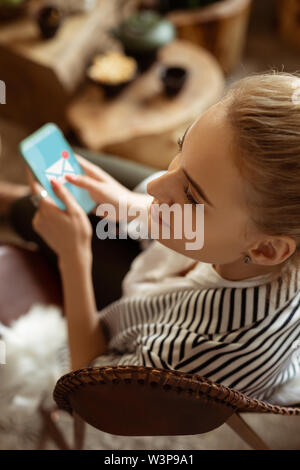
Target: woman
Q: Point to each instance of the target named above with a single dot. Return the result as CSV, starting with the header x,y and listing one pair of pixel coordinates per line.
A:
x,y
229,311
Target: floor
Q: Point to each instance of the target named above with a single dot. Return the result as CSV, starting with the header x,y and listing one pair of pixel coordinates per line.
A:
x,y
263,51
278,432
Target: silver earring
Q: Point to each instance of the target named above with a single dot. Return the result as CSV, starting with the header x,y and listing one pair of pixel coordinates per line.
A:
x,y
247,259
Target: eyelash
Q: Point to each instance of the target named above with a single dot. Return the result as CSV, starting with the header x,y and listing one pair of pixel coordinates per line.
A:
x,y
189,196
186,191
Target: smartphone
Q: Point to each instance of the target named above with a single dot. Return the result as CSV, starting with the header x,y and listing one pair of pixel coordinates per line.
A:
x,y
49,156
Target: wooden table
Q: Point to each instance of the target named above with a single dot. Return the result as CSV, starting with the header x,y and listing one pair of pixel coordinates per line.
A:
x,y
142,123
41,75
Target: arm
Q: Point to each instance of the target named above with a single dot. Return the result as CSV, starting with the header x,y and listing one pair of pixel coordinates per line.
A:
x,y
85,333
86,337
69,234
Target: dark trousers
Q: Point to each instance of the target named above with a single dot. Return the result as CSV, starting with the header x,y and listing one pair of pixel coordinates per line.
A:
x,y
111,257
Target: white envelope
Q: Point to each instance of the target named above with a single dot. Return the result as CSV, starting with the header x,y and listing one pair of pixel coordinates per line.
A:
x,y
59,170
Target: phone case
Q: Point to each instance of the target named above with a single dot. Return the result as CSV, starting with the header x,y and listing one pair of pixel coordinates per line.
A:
x,y
49,156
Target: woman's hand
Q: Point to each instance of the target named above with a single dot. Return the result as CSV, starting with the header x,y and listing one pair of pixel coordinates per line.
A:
x,y
68,233
102,187
65,231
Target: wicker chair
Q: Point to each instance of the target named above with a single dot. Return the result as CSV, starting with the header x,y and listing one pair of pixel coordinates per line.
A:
x,y
149,401
145,401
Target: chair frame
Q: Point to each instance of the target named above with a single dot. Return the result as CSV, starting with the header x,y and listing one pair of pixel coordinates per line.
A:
x,y
206,398
78,393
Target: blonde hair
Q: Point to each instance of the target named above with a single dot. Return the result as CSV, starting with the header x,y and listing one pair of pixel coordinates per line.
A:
x,y
264,112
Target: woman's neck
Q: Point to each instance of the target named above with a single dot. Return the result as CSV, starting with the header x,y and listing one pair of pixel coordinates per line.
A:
x,y
238,271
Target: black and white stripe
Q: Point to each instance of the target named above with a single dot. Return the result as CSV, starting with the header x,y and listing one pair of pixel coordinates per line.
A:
x,y
240,337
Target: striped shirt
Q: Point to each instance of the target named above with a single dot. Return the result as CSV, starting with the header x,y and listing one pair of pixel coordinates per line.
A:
x,y
242,337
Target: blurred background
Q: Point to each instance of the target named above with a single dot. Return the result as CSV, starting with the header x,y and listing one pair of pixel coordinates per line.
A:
x,y
125,78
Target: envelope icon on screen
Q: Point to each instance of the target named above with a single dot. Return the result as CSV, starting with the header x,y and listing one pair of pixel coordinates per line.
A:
x,y
59,170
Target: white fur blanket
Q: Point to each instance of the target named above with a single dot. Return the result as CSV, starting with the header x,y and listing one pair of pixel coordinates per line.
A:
x,y
36,356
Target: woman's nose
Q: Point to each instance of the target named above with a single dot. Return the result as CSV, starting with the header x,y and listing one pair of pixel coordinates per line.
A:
x,y
162,189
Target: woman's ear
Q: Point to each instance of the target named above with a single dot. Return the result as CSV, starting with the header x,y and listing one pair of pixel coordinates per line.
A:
x,y
273,251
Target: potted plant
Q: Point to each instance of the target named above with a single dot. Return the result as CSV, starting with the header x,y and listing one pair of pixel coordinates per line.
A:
x,y
142,34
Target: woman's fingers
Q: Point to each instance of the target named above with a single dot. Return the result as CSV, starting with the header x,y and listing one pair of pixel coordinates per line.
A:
x,y
65,196
88,167
85,182
91,169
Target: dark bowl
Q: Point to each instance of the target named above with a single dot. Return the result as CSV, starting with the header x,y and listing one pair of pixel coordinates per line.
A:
x,y
49,20
173,79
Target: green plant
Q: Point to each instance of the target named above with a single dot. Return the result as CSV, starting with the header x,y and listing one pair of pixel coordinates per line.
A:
x,y
11,3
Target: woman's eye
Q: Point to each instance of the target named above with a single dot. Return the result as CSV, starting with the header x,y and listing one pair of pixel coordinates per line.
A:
x,y
180,143
189,196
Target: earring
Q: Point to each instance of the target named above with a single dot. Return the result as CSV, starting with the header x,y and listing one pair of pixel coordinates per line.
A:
x,y
247,259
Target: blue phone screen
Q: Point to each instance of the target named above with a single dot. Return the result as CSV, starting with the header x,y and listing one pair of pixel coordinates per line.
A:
x,y
50,157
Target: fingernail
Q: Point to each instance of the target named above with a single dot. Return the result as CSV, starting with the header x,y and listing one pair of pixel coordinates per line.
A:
x,y
71,177
54,183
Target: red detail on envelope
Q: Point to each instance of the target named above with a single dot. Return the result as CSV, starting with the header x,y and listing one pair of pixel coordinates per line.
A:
x,y
65,154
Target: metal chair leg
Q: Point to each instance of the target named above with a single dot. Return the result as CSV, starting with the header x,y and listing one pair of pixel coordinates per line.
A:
x,y
237,424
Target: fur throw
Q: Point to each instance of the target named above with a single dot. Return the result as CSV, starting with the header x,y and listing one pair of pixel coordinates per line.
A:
x,y
36,356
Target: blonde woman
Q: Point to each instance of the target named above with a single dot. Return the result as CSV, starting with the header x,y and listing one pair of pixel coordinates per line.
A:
x,y
229,311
